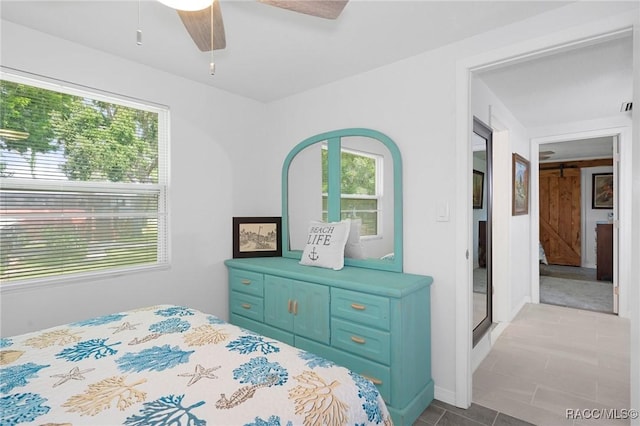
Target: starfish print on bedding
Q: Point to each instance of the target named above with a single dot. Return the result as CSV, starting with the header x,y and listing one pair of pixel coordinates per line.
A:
x,y
74,374
124,326
199,373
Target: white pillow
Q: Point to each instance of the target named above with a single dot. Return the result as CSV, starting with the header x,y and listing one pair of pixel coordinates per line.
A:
x,y
325,244
354,248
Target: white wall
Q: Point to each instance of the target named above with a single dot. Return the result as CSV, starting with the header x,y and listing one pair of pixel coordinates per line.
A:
x,y
412,101
210,131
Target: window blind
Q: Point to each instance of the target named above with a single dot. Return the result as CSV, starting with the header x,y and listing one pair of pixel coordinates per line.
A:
x,y
83,182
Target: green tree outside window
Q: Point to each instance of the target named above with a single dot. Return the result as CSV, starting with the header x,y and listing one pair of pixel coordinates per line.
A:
x,y
88,221
359,196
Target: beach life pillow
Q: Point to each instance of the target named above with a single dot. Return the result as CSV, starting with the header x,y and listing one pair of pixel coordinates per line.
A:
x,y
325,244
354,249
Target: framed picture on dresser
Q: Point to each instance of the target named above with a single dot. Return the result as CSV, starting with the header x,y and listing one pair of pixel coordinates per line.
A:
x,y
257,237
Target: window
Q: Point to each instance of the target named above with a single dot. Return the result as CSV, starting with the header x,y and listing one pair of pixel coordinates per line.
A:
x,y
360,188
83,182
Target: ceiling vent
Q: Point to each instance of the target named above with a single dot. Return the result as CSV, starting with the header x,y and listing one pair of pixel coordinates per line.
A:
x,y
626,106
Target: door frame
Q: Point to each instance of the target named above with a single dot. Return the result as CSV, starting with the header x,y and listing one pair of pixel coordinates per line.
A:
x,y
621,211
465,67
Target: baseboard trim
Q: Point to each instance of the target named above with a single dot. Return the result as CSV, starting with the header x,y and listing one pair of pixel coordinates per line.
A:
x,y
408,415
481,349
445,395
497,331
518,308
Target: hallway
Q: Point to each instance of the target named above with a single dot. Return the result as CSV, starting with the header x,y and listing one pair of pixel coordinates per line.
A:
x,y
552,358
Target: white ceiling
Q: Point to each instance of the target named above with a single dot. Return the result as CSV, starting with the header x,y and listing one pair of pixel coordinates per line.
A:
x,y
583,149
576,85
272,53
580,84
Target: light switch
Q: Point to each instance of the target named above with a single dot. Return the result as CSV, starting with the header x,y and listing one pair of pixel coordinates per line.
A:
x,y
442,213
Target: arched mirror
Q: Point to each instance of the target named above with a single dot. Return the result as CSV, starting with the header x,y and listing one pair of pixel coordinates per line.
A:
x,y
349,173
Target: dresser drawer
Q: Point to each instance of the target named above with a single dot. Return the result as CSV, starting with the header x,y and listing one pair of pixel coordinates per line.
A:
x,y
363,341
247,282
247,305
380,375
362,308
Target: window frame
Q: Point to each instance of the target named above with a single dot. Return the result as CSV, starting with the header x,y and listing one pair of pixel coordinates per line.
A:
x,y
163,243
379,185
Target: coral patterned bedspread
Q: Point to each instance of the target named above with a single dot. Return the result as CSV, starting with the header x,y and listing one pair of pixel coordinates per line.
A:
x,y
171,365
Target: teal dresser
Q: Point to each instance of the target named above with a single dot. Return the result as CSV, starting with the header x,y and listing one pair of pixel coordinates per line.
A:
x,y
376,323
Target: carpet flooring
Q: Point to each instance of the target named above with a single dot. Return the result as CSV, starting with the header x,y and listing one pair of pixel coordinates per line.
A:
x,y
575,287
569,272
589,295
565,286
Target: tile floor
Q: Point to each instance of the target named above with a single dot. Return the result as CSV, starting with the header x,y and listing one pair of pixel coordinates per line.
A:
x,y
443,414
552,358
549,359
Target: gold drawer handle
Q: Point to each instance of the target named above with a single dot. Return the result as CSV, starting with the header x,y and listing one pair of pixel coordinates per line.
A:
x,y
246,282
246,306
373,380
295,307
359,340
358,307
289,305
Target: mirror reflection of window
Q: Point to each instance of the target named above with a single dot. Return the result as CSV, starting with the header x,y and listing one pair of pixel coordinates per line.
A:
x,y
304,194
346,174
360,189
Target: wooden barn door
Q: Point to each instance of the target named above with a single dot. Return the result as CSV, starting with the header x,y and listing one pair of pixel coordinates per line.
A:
x,y
560,216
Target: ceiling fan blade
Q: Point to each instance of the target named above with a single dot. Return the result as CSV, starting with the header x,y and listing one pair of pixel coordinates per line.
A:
x,y
198,25
328,9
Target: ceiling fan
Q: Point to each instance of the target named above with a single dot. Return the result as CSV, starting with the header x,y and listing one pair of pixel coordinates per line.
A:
x,y
199,16
545,155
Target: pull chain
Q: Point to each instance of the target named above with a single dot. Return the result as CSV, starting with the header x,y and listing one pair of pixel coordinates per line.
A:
x,y
212,65
139,31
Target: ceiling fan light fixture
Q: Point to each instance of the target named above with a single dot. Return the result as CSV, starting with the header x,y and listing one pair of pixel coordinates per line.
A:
x,y
187,5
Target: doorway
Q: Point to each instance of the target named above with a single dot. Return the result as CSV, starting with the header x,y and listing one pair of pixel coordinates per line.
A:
x,y
578,209
476,65
562,221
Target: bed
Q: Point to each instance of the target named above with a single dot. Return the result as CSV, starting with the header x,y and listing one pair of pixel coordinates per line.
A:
x,y
172,365
541,254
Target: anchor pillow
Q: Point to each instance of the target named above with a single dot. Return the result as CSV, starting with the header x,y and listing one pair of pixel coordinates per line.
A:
x,y
325,244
